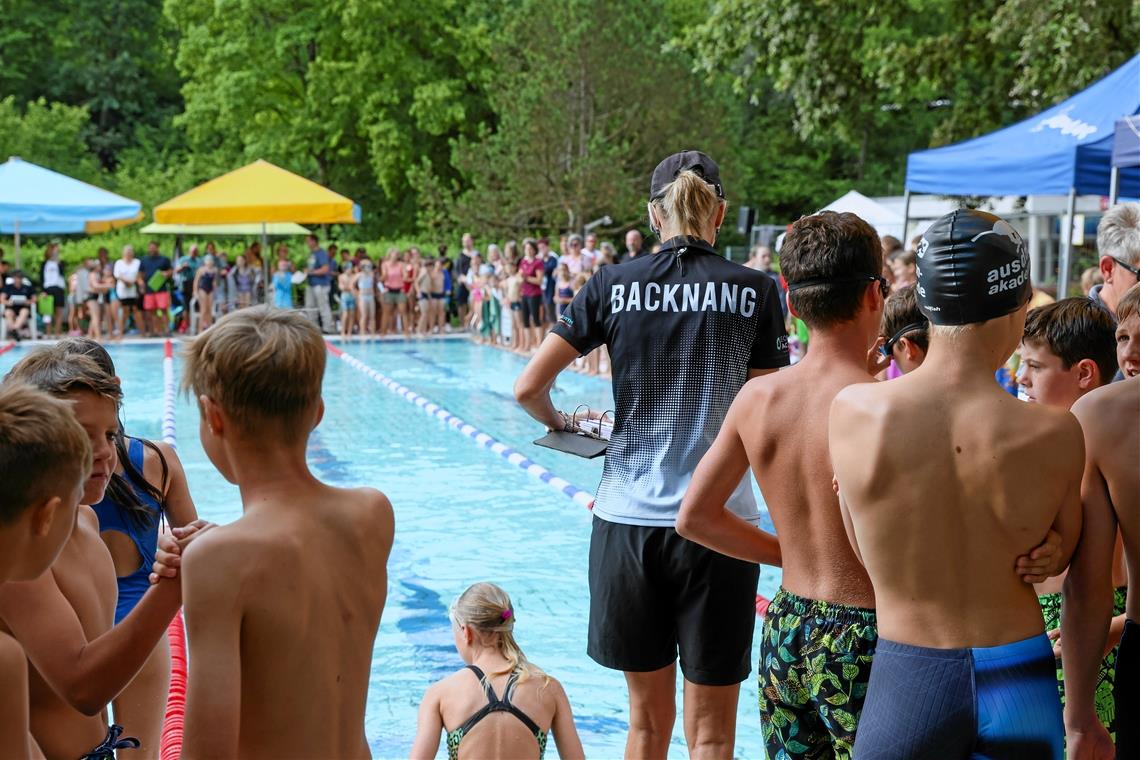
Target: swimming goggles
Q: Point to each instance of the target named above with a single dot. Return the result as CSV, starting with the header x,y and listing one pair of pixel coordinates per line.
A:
x,y
884,286
888,347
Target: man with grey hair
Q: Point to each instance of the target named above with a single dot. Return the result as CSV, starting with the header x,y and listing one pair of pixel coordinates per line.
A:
x,y
1118,244
633,241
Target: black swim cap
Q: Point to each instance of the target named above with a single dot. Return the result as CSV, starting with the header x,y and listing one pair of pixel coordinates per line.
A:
x,y
972,267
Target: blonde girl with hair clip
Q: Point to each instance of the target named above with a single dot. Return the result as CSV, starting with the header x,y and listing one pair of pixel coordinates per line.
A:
x,y
500,705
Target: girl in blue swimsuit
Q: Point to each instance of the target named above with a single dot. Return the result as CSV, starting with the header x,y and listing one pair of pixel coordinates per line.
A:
x,y
149,487
467,705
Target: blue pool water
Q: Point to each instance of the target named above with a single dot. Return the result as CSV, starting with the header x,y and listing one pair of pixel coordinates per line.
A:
x,y
463,514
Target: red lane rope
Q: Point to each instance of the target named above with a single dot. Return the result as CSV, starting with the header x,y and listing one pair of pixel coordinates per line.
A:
x,y
7,347
171,747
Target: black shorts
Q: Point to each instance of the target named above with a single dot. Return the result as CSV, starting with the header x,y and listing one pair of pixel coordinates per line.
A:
x,y
532,311
462,294
58,296
654,594
1127,690
129,303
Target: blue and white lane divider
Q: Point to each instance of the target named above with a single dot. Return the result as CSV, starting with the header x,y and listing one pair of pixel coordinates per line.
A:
x,y
481,439
169,396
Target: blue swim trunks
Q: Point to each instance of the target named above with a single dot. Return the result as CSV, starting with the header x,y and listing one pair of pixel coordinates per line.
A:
x,y
998,702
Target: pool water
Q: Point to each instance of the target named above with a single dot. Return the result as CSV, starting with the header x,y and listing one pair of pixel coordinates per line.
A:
x,y
463,514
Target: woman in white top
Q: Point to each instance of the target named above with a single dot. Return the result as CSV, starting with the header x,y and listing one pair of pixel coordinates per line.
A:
x,y
55,285
127,289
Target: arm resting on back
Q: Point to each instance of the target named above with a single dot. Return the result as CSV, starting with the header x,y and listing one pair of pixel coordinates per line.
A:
x,y
704,517
1088,600
87,674
1068,522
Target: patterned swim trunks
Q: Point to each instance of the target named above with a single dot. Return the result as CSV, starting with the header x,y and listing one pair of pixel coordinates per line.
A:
x,y
815,661
1105,703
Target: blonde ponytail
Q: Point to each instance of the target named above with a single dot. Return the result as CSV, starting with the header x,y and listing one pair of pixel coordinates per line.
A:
x,y
487,608
687,204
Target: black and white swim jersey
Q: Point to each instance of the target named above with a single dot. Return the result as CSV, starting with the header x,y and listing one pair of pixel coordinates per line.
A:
x,y
683,328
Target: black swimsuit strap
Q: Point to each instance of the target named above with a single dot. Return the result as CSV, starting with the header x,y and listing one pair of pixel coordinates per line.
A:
x,y
516,711
494,704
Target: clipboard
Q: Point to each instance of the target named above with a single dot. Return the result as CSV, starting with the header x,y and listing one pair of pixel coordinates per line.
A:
x,y
589,438
577,444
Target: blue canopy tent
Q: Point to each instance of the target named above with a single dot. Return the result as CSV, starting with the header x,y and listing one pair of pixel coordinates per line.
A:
x,y
1125,152
37,200
1065,150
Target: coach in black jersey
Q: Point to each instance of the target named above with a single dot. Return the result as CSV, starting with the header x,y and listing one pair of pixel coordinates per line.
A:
x,y
685,329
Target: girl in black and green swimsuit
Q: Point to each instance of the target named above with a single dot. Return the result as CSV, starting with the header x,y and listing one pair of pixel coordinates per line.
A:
x,y
467,705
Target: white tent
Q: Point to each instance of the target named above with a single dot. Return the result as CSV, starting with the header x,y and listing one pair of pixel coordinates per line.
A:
x,y
885,221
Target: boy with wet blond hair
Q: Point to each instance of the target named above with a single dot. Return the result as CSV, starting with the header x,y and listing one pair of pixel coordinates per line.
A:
x,y
45,457
282,605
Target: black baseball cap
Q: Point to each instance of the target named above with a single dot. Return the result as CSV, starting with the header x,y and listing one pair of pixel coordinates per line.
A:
x,y
668,170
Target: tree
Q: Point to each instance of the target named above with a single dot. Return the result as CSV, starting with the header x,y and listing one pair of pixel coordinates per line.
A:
x,y
586,103
350,94
114,58
50,135
865,84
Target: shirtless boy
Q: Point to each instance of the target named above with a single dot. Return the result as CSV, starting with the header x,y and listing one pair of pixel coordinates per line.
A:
x,y
64,618
1110,492
1068,349
282,606
905,330
778,425
944,481
45,458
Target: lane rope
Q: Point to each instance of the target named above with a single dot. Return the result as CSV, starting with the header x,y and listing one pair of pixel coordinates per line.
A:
x,y
478,437
486,441
171,744
7,347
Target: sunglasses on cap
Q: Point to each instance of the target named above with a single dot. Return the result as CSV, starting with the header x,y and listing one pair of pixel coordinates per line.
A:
x,y
1129,267
887,348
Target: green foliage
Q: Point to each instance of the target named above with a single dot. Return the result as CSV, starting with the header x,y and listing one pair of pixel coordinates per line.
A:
x,y
515,117
50,135
866,83
351,94
586,102
113,58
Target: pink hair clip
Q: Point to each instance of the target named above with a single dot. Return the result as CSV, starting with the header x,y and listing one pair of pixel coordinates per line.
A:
x,y
507,614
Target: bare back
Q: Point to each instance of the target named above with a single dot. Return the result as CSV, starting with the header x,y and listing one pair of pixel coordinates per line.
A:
x,y
785,434
499,734
946,485
1112,418
305,586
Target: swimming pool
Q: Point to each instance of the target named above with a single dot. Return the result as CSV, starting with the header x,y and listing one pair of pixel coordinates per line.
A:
x,y
463,514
